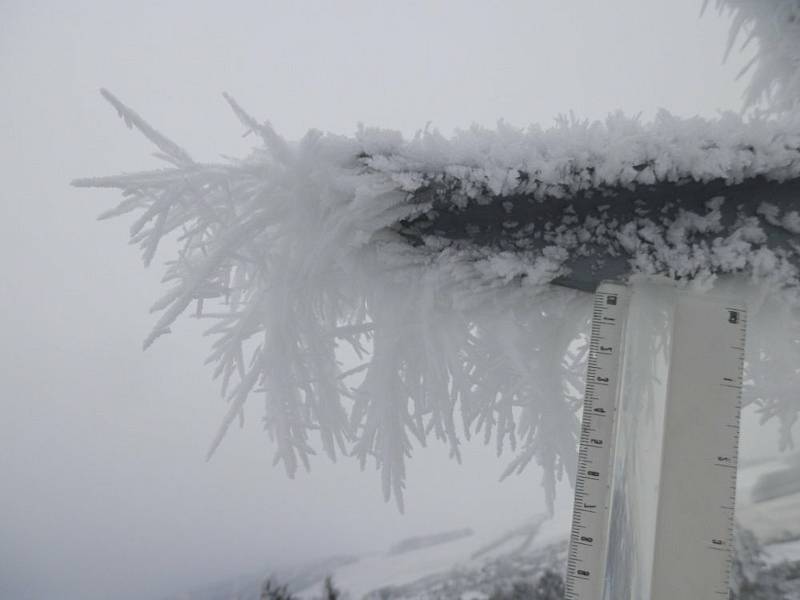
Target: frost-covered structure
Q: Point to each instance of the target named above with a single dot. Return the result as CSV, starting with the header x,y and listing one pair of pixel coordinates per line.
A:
x,y
376,292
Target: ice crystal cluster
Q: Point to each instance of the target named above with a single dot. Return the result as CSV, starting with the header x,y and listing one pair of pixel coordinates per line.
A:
x,y
775,26
338,297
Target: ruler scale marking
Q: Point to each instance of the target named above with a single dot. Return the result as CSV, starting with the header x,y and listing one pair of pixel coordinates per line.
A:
x,y
587,541
682,545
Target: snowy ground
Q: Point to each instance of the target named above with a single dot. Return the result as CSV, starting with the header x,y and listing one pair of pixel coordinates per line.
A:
x,y
774,519
472,552
466,565
786,551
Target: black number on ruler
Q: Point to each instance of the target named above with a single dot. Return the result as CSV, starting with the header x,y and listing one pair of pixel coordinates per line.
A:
x,y
733,316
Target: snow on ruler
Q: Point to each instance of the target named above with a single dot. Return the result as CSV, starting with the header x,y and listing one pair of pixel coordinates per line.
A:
x,y
348,285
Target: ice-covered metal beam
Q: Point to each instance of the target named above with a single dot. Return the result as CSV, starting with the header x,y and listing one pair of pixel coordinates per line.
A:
x,y
588,224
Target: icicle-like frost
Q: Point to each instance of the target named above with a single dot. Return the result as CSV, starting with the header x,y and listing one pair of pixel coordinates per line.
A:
x,y
775,69
296,255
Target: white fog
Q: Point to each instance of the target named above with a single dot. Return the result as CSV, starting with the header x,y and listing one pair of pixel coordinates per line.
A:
x,y
105,491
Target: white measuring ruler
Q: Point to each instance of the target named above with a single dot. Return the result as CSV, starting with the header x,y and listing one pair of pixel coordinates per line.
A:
x,y
656,477
590,517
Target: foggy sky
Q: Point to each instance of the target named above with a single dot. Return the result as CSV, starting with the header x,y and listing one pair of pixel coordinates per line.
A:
x,y
104,490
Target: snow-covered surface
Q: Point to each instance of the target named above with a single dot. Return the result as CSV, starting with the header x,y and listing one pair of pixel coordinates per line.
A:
x,y
786,551
473,566
576,156
417,570
378,571
773,514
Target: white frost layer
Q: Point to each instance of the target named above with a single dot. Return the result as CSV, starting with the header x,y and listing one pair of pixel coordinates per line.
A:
x,y
577,155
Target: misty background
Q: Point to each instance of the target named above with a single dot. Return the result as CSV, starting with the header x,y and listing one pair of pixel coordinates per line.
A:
x,y
104,487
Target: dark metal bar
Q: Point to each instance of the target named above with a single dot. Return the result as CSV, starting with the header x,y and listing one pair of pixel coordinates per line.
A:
x,y
524,222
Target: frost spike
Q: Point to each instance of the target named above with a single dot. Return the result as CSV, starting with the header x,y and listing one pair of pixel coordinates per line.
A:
x,y
133,120
272,140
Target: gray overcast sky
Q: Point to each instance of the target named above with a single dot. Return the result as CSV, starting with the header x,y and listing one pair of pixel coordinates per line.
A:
x,y
104,492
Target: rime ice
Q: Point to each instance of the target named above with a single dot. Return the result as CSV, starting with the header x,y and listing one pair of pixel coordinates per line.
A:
x,y
329,250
